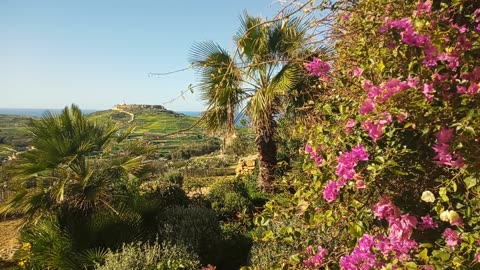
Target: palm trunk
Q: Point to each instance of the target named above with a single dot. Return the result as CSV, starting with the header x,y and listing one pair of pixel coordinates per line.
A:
x,y
267,151
230,126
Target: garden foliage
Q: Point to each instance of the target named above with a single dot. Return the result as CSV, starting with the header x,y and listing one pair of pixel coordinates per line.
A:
x,y
391,169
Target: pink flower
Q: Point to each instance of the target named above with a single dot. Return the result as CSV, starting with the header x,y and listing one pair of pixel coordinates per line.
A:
x,y
445,135
357,72
477,258
345,16
428,223
348,160
315,155
386,209
428,91
317,67
316,260
375,130
424,8
331,190
367,107
452,238
349,126
359,153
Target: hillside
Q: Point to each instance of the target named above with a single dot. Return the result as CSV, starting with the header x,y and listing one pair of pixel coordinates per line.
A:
x,y
13,134
152,122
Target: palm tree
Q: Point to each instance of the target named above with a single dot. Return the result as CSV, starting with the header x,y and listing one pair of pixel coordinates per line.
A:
x,y
220,86
261,74
68,166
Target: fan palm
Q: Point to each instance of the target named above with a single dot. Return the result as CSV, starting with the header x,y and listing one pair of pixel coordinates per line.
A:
x,y
68,165
259,77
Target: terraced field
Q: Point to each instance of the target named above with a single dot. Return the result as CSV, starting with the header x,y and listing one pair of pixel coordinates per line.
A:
x,y
150,124
154,125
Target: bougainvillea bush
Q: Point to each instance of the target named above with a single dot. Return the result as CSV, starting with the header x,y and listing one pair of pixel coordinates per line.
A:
x,y
391,172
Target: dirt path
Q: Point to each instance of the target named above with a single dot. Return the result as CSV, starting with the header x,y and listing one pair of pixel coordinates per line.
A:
x,y
9,235
132,116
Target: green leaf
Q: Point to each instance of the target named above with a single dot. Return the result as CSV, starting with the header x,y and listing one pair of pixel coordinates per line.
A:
x,y
423,255
268,236
470,182
443,194
444,256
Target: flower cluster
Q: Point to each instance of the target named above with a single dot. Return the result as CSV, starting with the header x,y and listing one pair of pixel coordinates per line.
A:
x,y
443,156
318,68
349,160
346,171
452,237
314,154
315,260
376,251
382,93
375,127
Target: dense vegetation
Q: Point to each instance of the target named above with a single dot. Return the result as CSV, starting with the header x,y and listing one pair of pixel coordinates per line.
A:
x,y
373,106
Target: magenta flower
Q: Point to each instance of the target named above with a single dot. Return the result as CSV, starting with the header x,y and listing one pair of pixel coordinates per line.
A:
x,y
428,91
375,130
424,8
349,126
331,191
451,237
428,223
357,72
367,107
385,209
314,154
445,135
316,260
345,16
348,160
317,67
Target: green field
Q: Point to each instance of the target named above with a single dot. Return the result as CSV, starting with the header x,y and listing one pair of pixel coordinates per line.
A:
x,y
165,129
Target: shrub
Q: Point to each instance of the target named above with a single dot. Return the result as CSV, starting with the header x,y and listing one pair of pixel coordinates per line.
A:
x,y
241,145
194,227
163,193
174,178
144,256
235,246
229,197
197,149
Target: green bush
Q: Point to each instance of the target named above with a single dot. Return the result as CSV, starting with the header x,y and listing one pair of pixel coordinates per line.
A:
x,y
163,193
235,246
241,145
194,227
197,149
174,178
144,256
229,197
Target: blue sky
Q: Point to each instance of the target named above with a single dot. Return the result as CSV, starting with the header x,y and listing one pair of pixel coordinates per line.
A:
x,y
99,53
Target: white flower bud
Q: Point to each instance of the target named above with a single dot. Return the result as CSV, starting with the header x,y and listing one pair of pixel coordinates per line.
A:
x,y
428,196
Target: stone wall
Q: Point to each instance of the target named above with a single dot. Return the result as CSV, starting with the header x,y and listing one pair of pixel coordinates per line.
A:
x,y
246,165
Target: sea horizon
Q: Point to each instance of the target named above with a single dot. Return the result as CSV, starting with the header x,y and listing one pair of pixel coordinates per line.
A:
x,y
38,112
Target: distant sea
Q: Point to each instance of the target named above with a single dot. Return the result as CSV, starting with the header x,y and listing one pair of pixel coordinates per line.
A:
x,y
40,112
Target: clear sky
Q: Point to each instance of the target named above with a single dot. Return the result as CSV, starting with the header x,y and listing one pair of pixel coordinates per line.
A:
x,y
98,53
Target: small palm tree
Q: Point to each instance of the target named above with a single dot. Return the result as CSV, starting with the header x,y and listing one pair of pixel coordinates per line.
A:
x,y
263,72
68,166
